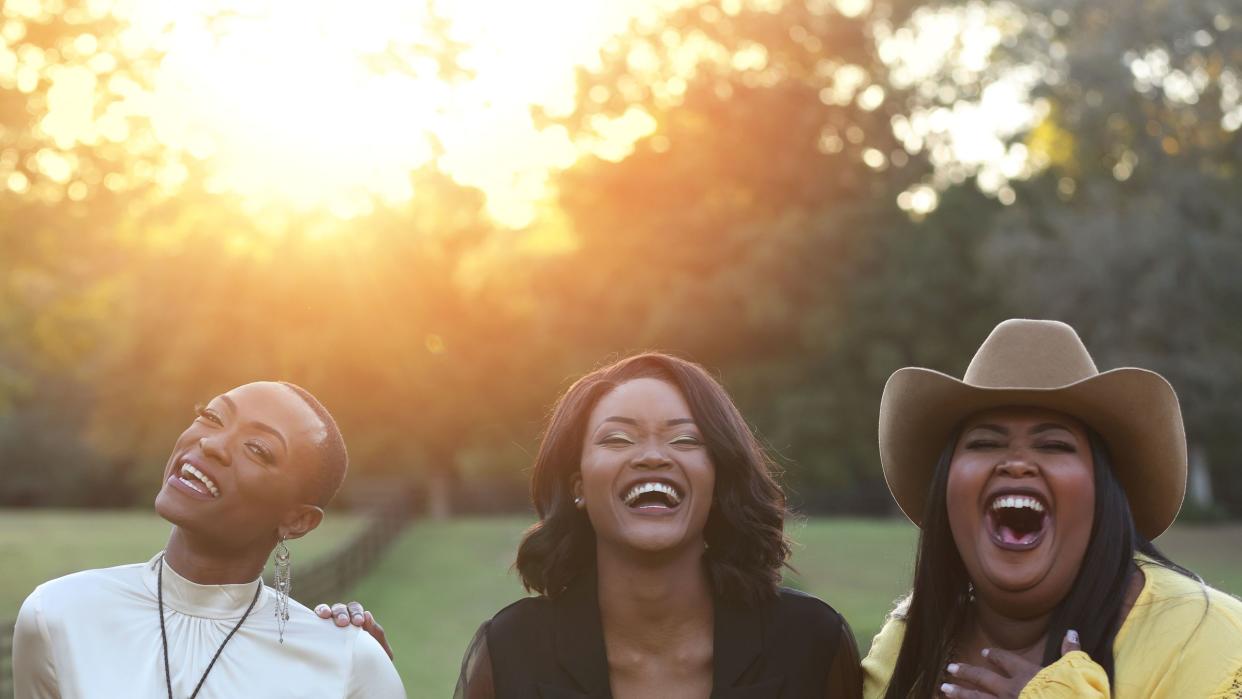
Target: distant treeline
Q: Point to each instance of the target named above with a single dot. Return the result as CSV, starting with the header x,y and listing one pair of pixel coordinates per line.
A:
x,y
778,226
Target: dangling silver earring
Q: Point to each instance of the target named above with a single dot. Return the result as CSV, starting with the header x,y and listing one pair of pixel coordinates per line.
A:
x,y
283,581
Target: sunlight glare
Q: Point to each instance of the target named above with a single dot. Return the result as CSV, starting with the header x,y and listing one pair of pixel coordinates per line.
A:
x,y
289,102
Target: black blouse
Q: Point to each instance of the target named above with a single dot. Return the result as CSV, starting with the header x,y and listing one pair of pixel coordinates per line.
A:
x,y
791,647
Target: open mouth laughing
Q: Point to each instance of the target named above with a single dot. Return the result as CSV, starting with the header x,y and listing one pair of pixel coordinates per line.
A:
x,y
1017,521
652,496
189,477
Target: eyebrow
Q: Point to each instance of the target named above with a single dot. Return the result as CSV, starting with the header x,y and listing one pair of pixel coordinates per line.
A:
x,y
255,423
632,421
1042,427
270,430
625,420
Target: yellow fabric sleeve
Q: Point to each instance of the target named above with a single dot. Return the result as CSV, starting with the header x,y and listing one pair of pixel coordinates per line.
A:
x,y
882,658
1232,688
1073,676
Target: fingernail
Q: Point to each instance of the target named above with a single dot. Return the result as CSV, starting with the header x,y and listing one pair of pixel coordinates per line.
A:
x,y
342,618
952,668
984,652
1072,635
358,619
948,689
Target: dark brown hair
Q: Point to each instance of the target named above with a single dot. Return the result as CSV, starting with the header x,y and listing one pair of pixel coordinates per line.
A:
x,y
746,544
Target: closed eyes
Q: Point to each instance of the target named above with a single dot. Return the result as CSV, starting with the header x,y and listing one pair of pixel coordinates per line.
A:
x,y
619,439
1057,446
986,444
263,453
616,438
209,415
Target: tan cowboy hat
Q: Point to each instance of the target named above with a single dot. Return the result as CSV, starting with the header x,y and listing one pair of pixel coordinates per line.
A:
x,y
1040,363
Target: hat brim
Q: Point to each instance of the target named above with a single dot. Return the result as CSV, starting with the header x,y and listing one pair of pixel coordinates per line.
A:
x,y
1135,411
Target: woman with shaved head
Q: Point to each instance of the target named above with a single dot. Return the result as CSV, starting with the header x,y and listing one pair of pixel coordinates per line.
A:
x,y
254,469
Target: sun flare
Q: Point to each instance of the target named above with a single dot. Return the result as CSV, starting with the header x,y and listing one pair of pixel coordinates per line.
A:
x,y
330,104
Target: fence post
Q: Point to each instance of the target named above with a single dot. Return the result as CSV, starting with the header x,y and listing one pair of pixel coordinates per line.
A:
x,y
6,658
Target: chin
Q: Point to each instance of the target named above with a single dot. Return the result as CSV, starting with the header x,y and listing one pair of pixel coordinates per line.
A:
x,y
658,539
166,507
1019,594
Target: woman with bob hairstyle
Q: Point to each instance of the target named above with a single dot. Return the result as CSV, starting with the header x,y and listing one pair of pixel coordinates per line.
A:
x,y
657,557
1039,483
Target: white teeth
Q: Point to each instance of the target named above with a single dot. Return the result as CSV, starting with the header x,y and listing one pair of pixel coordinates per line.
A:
x,y
187,469
652,487
1018,502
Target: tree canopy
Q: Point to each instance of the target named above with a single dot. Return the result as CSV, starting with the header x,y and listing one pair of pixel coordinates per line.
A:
x,y
799,211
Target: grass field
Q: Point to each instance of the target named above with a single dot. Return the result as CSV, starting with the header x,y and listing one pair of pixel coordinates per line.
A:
x,y
38,545
442,579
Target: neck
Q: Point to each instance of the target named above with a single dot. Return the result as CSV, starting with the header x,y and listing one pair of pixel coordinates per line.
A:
x,y
645,600
201,563
996,630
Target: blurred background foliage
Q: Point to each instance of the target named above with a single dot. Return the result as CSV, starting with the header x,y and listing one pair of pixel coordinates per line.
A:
x,y
800,211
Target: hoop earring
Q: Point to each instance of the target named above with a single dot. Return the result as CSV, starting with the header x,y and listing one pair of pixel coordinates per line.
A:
x,y
283,581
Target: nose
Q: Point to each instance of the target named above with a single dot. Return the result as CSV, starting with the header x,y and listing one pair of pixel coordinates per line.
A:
x,y
213,448
652,458
1017,467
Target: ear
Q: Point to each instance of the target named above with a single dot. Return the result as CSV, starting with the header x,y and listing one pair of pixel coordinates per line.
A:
x,y
575,485
300,521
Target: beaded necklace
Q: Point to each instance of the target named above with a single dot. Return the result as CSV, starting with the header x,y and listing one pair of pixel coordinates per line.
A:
x,y
164,634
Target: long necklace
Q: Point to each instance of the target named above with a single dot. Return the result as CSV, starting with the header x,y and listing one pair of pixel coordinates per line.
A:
x,y
164,634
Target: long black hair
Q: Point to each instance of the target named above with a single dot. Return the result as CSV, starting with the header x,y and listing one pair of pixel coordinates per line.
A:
x,y
746,544
936,614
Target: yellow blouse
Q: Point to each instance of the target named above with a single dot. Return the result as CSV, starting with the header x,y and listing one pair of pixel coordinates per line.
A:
x,y
1181,639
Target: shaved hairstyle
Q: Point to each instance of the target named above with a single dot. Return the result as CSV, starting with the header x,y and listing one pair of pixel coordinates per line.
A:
x,y
333,458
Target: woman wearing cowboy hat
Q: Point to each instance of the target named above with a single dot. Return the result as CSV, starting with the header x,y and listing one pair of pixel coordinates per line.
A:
x,y
1038,483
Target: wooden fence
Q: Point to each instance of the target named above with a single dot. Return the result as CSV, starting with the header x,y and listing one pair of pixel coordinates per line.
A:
x,y
330,577
326,579
6,660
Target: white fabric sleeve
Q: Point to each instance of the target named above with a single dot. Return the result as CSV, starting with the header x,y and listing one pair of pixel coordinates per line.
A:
x,y
372,674
34,670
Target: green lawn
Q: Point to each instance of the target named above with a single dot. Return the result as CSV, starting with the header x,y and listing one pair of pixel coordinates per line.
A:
x,y
442,579
38,545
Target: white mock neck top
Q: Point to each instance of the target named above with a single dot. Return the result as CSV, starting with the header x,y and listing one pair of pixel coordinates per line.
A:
x,y
96,635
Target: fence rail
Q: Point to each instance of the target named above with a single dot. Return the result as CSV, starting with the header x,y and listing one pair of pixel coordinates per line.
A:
x,y
330,577
326,579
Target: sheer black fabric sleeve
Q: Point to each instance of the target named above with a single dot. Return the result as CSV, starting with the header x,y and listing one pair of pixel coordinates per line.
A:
x,y
475,679
845,676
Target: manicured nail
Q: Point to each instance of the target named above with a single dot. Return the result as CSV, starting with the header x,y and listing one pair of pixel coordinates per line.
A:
x,y
952,668
948,689
1072,635
342,618
358,619
984,652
